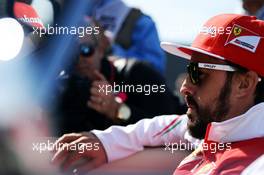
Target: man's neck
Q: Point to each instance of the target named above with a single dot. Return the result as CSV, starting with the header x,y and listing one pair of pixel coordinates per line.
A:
x,y
238,109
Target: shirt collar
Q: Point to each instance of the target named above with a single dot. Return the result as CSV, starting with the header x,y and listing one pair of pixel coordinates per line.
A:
x,y
243,127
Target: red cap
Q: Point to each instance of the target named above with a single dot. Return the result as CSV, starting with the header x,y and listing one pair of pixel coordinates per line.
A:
x,y
27,15
232,37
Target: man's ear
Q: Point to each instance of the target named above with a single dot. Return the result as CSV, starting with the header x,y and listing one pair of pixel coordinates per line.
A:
x,y
245,83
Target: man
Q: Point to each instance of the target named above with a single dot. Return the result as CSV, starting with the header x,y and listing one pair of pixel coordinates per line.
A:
x,y
224,95
132,33
104,91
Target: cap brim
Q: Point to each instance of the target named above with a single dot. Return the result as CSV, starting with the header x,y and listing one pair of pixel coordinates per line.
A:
x,y
185,51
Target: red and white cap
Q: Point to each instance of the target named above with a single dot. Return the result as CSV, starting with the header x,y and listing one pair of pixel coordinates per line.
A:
x,y
26,14
232,37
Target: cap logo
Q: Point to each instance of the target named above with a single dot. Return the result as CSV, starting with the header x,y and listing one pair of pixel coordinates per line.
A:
x,y
243,38
237,31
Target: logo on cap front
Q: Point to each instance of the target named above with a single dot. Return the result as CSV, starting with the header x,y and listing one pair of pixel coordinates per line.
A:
x,y
237,31
243,38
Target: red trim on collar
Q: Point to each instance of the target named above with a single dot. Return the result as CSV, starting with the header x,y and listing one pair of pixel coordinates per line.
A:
x,y
207,132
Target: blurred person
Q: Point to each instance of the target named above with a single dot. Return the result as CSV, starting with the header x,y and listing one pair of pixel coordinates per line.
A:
x,y
224,95
104,90
9,160
22,121
132,33
254,7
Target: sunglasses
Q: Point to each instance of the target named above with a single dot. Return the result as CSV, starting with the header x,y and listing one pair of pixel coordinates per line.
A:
x,y
194,72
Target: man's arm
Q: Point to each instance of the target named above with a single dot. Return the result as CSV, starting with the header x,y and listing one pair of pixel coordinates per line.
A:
x,y
118,142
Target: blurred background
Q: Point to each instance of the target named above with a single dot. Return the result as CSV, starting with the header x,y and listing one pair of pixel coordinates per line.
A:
x,y
37,73
179,21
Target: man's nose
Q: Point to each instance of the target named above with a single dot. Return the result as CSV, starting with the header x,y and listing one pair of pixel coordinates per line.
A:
x,y
187,88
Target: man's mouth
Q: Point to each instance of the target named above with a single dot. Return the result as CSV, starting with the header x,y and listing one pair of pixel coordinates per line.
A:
x,y
190,102
192,108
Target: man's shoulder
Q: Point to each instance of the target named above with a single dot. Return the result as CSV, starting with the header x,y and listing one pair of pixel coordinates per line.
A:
x,y
241,155
249,147
245,149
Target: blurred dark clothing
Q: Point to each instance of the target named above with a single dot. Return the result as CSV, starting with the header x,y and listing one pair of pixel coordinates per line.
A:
x,y
75,116
134,33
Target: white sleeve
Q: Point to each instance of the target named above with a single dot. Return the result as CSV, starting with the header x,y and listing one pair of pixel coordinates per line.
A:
x,y
120,142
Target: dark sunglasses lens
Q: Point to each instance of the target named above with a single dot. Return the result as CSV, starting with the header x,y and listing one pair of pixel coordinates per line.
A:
x,y
193,72
86,50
